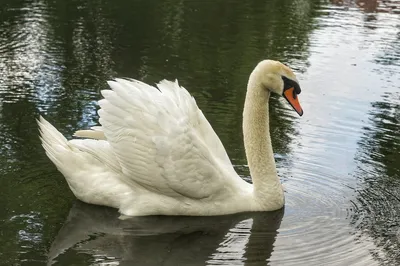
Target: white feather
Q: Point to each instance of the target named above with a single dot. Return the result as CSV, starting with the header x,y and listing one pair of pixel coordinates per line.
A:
x,y
89,166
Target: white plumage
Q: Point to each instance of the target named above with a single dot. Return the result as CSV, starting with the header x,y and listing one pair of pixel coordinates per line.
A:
x,y
155,153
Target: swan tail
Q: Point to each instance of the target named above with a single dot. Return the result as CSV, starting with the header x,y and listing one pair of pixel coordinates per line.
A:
x,y
89,167
67,156
68,159
53,142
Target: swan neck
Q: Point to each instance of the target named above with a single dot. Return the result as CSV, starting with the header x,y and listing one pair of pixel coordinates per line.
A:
x,y
257,139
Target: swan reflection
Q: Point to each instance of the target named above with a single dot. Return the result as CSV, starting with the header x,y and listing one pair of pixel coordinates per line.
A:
x,y
95,235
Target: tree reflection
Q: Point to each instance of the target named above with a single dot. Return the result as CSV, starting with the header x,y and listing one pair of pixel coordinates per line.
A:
x,y
377,208
371,6
163,240
86,35
214,57
26,64
391,51
56,55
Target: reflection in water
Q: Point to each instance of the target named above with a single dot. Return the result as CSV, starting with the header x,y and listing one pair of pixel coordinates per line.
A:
x,y
55,56
367,5
377,204
27,62
87,50
390,56
32,81
370,6
164,240
342,80
213,58
26,59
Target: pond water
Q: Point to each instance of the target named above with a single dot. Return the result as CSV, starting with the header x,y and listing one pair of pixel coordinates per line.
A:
x,y
339,163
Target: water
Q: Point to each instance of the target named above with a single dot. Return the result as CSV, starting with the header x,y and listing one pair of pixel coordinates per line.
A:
x,y
339,163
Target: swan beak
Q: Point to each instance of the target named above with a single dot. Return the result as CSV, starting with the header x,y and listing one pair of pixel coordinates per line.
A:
x,y
293,99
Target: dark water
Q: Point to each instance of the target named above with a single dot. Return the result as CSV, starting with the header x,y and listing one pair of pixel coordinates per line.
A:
x,y
340,162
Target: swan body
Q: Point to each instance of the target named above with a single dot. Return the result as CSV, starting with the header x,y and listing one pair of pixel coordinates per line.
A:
x,y
156,154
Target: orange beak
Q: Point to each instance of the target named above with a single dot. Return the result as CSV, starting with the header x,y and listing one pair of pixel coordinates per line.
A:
x,y
292,97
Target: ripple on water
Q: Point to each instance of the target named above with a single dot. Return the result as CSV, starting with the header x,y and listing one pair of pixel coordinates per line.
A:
x,y
30,63
376,207
314,228
329,217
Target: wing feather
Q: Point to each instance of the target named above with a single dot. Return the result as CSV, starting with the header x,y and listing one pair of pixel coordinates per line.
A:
x,y
161,139
99,149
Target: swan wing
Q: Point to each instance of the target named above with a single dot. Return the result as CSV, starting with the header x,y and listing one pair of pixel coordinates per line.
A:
x,y
161,139
92,133
98,149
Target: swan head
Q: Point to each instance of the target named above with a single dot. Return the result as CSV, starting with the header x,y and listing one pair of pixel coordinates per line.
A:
x,y
280,79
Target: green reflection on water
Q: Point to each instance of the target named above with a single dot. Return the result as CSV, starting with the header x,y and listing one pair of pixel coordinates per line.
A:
x,y
378,201
56,56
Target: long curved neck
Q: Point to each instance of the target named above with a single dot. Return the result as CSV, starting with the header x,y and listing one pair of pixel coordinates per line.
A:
x,y
257,139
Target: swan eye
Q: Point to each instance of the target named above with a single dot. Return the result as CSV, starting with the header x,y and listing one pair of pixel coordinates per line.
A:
x,y
290,91
289,83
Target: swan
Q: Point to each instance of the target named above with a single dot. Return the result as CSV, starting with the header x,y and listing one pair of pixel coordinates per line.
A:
x,y
156,154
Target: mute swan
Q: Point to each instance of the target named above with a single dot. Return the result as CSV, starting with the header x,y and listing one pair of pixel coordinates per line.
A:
x,y
156,154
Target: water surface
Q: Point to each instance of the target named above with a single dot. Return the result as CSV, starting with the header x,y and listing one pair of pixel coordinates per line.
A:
x,y
339,163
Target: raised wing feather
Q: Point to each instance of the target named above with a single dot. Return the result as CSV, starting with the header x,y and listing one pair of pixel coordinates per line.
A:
x,y
99,149
161,139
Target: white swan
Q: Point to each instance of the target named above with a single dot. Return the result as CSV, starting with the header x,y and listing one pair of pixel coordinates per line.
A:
x,y
156,154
